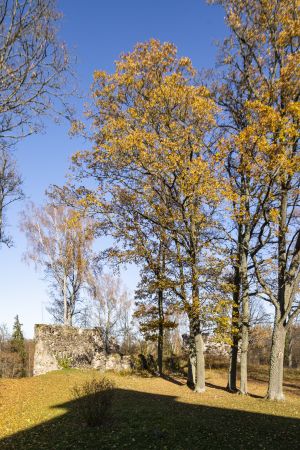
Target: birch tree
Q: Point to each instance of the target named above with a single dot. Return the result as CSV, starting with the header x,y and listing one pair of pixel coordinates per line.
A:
x,y
60,243
111,305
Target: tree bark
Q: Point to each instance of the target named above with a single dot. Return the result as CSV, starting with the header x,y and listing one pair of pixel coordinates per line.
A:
x,y
69,319
65,301
196,361
160,340
191,381
275,387
200,363
245,325
232,373
244,360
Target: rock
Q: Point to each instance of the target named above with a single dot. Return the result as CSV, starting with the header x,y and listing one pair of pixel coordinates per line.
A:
x,y
113,361
126,362
99,362
59,346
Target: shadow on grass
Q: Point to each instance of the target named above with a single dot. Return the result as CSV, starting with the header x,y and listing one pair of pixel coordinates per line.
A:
x,y
225,389
289,387
172,380
216,386
150,421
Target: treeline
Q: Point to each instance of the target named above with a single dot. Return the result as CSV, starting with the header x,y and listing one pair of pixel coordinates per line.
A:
x,y
197,180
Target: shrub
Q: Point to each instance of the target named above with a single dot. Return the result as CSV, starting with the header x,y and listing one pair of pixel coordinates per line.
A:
x,y
94,400
176,363
64,363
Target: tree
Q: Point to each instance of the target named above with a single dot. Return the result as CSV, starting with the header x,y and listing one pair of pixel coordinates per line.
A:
x,y
60,242
10,190
145,243
110,308
33,67
34,71
292,344
153,128
18,344
154,309
248,190
4,335
264,49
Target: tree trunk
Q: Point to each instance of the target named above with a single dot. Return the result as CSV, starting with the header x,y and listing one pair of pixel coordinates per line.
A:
x,y
244,346
160,340
191,381
245,319
232,373
65,301
200,364
69,319
288,349
244,360
275,388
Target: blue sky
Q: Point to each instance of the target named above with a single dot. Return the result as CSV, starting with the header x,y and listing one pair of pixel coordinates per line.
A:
x,y
96,32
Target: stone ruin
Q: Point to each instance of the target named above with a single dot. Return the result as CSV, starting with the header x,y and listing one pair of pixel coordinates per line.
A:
x,y
60,346
211,346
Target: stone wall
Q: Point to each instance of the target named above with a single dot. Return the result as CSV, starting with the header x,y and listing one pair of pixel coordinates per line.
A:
x,y
59,346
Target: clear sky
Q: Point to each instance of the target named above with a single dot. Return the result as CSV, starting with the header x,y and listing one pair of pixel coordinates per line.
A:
x,y
96,32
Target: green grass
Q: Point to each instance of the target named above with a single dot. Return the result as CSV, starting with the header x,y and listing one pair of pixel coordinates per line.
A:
x,y
148,413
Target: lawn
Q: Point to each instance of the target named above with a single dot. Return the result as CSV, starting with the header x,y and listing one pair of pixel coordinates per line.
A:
x,y
148,413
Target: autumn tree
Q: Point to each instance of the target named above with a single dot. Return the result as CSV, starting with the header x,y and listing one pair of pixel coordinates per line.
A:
x,y
248,191
153,127
263,51
60,242
136,239
143,242
154,307
10,190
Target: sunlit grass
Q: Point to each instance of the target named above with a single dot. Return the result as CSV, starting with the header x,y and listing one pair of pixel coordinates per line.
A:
x,y
147,413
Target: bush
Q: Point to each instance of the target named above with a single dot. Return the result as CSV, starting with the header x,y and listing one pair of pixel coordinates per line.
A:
x,y
176,363
216,362
94,400
64,363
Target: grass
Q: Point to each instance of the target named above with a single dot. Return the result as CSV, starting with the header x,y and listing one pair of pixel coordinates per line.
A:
x,y
148,413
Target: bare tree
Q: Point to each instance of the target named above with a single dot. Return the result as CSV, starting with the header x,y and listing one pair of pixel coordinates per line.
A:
x,y
111,307
34,73
60,241
33,65
10,190
4,334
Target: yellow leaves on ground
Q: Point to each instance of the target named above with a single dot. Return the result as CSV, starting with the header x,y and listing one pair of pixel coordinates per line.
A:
x,y
27,402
